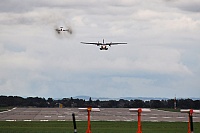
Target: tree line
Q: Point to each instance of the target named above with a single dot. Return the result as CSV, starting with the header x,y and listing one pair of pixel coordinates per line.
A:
x,y
16,101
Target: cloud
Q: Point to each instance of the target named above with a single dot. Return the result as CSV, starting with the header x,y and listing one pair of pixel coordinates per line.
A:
x,y
186,5
162,48
162,61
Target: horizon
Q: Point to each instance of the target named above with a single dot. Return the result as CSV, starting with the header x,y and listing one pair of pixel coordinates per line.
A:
x,y
108,98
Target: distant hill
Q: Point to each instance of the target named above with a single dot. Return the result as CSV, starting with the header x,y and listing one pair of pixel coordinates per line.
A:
x,y
128,98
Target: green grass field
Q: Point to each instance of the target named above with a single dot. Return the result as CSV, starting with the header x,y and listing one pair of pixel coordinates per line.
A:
x,y
96,126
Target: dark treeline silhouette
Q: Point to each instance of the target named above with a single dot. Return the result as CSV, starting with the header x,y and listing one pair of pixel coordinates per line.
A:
x,y
16,101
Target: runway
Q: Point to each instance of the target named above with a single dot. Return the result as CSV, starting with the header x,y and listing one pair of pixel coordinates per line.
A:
x,y
106,114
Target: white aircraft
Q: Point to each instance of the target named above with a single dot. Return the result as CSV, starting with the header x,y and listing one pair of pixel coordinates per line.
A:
x,y
61,29
103,45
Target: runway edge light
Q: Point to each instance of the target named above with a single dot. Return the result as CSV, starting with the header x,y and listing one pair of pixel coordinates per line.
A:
x,y
190,118
89,109
139,111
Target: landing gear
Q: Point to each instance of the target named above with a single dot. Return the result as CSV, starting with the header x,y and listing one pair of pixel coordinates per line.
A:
x,y
103,48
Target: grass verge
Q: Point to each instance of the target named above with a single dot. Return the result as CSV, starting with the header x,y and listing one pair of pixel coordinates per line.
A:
x,y
96,127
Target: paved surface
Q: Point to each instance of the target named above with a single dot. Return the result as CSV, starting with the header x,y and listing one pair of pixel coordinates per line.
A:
x,y
106,114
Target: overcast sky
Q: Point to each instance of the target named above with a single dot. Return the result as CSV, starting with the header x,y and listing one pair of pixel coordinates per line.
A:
x,y
161,59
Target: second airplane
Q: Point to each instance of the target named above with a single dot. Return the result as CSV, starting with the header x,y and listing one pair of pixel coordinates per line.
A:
x,y
103,45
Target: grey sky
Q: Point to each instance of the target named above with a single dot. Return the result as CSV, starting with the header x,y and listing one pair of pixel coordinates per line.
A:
x,y
162,58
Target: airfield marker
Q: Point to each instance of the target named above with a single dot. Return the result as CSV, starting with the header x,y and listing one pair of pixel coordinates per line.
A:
x,y
74,122
139,111
89,125
190,118
89,109
175,102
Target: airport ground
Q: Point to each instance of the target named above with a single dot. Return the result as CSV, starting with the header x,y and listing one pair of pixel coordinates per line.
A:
x,y
108,120
106,114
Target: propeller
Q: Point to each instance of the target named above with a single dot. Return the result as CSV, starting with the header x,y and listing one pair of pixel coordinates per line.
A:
x,y
110,44
57,29
69,29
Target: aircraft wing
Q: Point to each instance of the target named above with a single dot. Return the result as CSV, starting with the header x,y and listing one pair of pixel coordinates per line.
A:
x,y
58,31
68,30
94,43
114,43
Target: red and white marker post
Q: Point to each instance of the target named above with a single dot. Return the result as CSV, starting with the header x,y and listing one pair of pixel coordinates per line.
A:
x,y
190,118
139,111
89,109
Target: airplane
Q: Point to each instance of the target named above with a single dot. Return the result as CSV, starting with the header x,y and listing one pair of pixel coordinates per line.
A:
x,y
59,30
103,45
